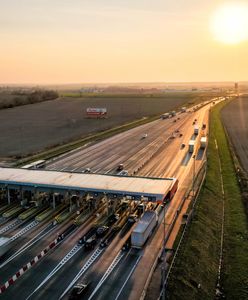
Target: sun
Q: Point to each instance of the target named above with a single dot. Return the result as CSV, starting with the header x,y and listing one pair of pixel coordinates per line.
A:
x,y
229,23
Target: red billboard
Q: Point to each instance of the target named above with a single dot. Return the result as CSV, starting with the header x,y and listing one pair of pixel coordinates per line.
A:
x,y
96,112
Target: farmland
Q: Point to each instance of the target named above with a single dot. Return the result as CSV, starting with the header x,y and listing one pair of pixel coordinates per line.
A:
x,y
235,116
31,128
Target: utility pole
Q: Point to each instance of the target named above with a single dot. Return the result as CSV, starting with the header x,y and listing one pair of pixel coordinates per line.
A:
x,y
193,183
163,264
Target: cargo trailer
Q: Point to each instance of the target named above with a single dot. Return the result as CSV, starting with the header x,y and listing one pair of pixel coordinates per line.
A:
x,y
203,142
191,146
196,129
144,229
165,116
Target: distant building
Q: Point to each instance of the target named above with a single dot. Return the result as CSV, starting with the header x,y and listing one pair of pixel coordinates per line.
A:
x,y
236,85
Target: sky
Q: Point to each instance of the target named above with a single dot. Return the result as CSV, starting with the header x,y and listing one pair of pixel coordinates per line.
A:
x,y
87,41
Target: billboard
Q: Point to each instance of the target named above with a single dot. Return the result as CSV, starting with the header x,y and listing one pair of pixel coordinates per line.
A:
x,y
96,112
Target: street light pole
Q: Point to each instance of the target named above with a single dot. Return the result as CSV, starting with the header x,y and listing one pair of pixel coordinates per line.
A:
x,y
163,266
193,184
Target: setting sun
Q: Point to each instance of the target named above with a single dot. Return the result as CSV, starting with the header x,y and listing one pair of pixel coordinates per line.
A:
x,y
230,23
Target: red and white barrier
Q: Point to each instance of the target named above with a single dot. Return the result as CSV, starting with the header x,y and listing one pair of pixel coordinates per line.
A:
x,y
27,266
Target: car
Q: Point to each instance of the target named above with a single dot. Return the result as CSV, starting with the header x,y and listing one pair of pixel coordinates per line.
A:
x,y
132,218
79,290
90,243
177,131
183,145
101,231
144,136
87,170
120,167
175,121
180,135
127,245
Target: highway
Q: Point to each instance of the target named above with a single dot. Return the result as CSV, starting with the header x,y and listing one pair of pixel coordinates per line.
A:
x,y
160,154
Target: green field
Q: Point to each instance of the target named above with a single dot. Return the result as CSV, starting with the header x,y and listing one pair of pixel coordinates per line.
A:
x,y
198,260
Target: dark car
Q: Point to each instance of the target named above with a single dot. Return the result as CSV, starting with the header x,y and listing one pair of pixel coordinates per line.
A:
x,y
90,243
101,231
79,290
120,167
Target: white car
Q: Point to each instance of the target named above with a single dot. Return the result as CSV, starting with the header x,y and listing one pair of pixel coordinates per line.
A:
x,y
144,136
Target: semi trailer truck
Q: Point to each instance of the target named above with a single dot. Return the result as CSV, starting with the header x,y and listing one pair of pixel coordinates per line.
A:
x,y
191,146
203,142
144,228
196,129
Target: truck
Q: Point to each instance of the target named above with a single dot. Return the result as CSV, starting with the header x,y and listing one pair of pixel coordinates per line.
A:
x,y
165,116
5,245
203,142
191,146
196,129
173,113
144,229
183,109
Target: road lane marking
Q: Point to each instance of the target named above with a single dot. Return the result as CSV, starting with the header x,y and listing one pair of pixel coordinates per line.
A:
x,y
27,245
85,267
129,275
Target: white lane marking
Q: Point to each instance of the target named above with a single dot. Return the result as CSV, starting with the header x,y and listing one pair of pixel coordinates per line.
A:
x,y
24,230
107,273
66,258
86,266
129,275
8,227
26,246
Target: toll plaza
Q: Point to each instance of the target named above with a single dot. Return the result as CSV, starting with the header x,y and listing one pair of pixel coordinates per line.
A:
x,y
40,181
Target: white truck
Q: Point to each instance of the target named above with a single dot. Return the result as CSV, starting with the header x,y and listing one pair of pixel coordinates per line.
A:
x,y
144,229
165,116
203,142
196,129
191,146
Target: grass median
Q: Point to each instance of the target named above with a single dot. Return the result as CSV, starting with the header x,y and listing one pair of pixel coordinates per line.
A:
x,y
196,268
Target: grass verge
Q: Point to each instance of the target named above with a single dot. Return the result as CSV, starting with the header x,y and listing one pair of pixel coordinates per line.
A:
x,y
198,260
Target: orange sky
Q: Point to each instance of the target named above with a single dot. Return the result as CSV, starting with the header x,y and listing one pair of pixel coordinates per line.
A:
x,y
115,41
